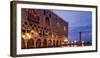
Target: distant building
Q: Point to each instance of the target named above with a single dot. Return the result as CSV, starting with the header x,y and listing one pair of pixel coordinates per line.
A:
x,y
42,29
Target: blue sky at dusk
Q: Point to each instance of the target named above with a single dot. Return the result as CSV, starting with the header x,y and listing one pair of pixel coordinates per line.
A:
x,y
78,21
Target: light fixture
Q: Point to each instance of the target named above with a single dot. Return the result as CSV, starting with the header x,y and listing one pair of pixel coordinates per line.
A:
x,y
82,41
65,40
23,36
75,41
28,35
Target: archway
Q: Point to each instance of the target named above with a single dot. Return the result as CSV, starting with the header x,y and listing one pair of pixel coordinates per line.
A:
x,y
44,43
49,43
57,43
38,43
30,43
23,44
54,43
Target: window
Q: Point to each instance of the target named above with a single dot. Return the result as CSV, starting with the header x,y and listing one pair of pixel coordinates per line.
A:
x,y
34,13
57,25
47,22
43,33
33,18
64,28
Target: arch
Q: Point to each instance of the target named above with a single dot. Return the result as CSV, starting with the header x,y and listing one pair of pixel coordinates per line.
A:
x,y
49,43
38,43
47,21
44,43
30,43
61,43
23,44
54,43
57,43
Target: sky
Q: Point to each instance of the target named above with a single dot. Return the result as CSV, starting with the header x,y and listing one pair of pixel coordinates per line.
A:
x,y
78,21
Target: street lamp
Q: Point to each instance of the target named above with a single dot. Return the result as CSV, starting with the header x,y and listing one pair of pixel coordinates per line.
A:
x,y
75,43
72,44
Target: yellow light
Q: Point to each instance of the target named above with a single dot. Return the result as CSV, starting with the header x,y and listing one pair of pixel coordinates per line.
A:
x,y
34,32
23,36
65,40
28,35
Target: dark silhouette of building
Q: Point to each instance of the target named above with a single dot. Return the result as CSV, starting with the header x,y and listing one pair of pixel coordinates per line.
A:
x,y
42,29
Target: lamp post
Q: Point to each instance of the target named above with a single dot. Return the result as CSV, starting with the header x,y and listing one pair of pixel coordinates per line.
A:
x,y
75,43
72,44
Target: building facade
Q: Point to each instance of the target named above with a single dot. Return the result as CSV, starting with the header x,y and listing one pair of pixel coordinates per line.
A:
x,y
42,29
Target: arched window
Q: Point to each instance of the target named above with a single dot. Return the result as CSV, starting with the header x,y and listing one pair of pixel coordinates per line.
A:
x,y
58,24
47,21
64,28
